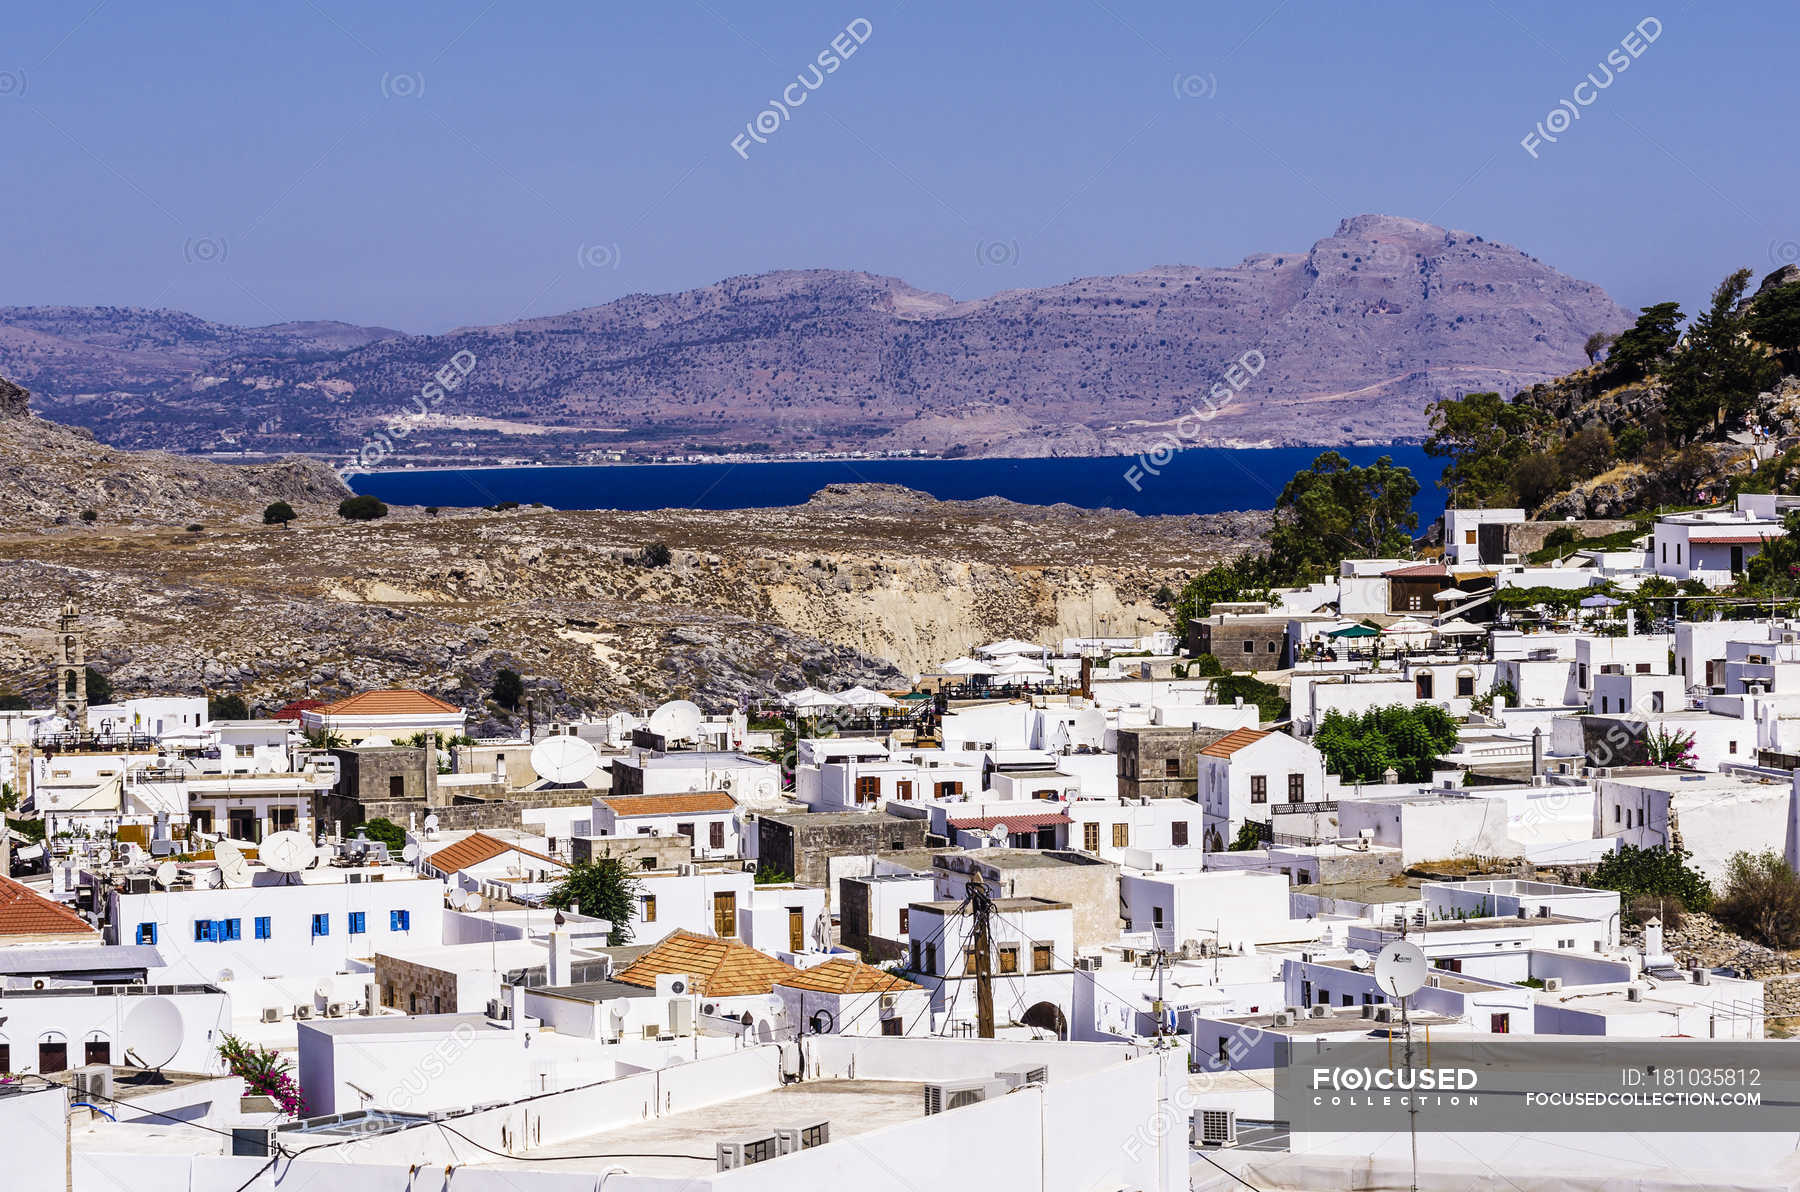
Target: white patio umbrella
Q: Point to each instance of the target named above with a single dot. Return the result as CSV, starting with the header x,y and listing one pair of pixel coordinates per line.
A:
x,y
1451,594
1406,627
810,697
966,666
1009,646
865,697
1460,628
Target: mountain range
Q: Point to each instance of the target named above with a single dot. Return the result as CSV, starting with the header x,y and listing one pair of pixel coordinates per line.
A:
x,y
1347,341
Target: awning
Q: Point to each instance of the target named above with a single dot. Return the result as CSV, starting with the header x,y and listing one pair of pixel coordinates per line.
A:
x,y
1599,602
1354,631
1028,822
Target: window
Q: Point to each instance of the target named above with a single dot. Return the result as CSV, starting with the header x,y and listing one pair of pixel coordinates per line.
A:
x,y
228,929
649,905
903,789
146,933
1615,815
399,920
1468,537
53,1057
321,926
1259,788
1678,554
906,920
1009,958
96,1051
246,751
1731,747
203,931
1500,1024
1171,767
1178,833
1249,647
1224,1052
1422,685
1656,701
397,786
715,834
1156,916
358,922
1465,685
262,926
1296,788
916,951
1346,1000
1643,668
1121,835
686,830
868,788
968,958
1090,837
1040,957
946,789
931,959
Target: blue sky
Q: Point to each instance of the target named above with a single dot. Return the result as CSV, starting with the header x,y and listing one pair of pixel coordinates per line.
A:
x,y
424,166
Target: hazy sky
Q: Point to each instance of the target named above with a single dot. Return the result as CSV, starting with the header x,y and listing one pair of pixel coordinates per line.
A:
x,y
427,165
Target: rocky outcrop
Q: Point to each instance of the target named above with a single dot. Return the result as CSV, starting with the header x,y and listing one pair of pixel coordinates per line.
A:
x,y
51,475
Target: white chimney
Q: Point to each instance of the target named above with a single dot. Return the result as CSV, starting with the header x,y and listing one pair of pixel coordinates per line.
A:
x,y
561,967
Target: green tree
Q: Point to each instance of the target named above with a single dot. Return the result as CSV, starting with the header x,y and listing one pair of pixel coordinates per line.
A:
x,y
99,687
508,689
1775,321
387,832
280,513
1249,837
1484,437
1761,899
1361,747
1243,578
227,707
363,508
1643,348
604,889
1633,871
12,701
1270,704
1585,454
1597,343
1719,370
1336,510
89,516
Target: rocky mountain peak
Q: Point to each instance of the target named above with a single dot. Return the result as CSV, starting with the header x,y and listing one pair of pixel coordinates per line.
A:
x,y
15,402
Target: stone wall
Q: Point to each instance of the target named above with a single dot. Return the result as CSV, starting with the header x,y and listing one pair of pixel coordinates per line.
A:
x,y
1145,752
803,845
637,852
1522,538
351,812
369,774
414,988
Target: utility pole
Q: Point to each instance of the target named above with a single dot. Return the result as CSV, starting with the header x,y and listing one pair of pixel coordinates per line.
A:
x,y
981,909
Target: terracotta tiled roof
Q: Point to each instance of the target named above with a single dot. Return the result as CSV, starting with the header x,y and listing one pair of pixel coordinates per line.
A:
x,y
23,911
1419,571
397,701
1727,539
1233,741
688,804
1014,823
475,848
292,711
843,975
720,968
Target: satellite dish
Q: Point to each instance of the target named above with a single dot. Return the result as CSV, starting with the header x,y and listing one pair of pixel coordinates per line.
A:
x,y
287,852
1400,969
208,879
564,760
677,720
153,1032
235,871
468,900
1359,959
410,853
999,837
431,824
166,873
323,990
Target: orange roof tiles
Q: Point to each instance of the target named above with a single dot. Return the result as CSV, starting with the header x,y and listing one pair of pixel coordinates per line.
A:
x,y
843,975
1233,741
23,911
694,803
720,968
475,848
395,701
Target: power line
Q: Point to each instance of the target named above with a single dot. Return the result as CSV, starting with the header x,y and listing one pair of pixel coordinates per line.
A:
x,y
563,1158
1234,1175
943,926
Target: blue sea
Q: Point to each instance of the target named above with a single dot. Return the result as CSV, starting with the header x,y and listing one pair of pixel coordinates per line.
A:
x,y
1198,480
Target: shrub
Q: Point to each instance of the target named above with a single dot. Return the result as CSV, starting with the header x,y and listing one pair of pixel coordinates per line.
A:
x,y
89,516
264,1073
1761,900
1636,871
227,707
1561,536
1270,704
1205,666
364,508
1249,837
657,554
431,511
1666,907
279,514
387,832
509,688
195,528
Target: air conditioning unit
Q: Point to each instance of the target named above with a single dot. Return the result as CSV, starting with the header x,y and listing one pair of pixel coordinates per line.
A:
x,y
1018,1078
1384,1014
1634,993
254,1142
94,1082
1088,964
674,984
789,1139
744,1152
1321,1011
1552,984
1702,976
335,1009
889,1003
137,885
1216,1127
709,1007
303,1011
1128,955
1368,1009
954,1094
271,1014
498,1009
1283,1018
354,879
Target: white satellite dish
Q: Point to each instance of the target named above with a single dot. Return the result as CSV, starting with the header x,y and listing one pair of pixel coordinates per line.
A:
x,y
287,852
564,760
1359,959
153,1033
431,824
235,871
323,990
166,873
1400,969
677,720
471,901
410,853
999,837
